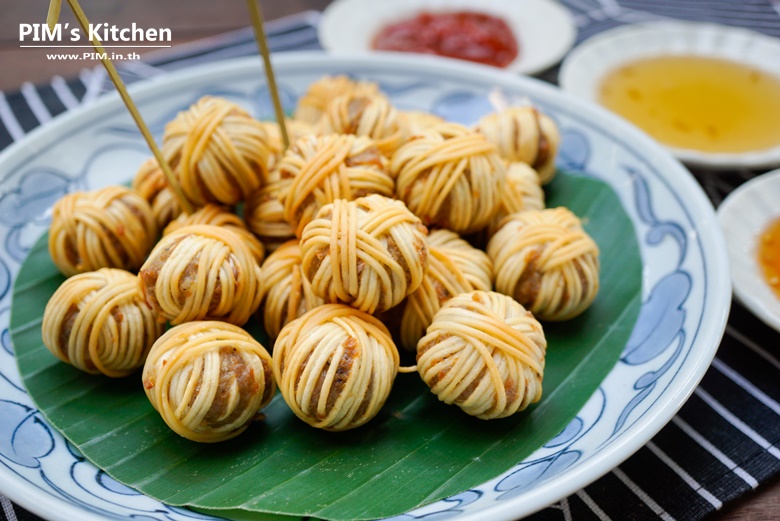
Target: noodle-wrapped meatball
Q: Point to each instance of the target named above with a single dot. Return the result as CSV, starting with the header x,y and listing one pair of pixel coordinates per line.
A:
x,y
202,272
335,366
109,228
150,183
295,130
522,192
484,353
547,262
288,293
264,214
218,152
217,215
417,121
454,267
524,134
369,253
208,380
365,115
318,170
99,323
314,102
450,177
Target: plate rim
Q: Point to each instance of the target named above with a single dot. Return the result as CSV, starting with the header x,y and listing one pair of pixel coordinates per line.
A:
x,y
547,492
768,158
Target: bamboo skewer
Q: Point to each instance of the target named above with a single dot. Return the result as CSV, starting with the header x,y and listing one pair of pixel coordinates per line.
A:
x,y
51,19
257,23
54,13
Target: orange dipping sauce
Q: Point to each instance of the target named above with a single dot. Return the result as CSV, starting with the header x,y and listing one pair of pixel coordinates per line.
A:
x,y
465,35
769,255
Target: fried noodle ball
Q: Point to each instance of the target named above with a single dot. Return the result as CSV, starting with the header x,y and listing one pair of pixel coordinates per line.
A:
x,y
217,151
522,192
202,272
218,215
109,228
450,177
365,115
320,93
369,253
150,183
524,134
264,214
99,323
318,170
335,366
547,262
288,292
454,267
484,353
208,380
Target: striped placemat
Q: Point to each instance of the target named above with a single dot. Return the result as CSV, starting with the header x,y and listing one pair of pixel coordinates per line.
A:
x,y
723,442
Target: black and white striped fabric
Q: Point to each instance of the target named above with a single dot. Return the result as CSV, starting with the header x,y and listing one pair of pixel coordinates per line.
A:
x,y
722,444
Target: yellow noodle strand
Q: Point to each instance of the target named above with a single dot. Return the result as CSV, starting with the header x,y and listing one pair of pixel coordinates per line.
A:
x,y
485,353
202,272
208,380
99,323
109,228
546,261
450,177
524,134
335,366
370,253
319,170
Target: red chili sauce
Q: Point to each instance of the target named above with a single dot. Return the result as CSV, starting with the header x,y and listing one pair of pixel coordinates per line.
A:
x,y
465,35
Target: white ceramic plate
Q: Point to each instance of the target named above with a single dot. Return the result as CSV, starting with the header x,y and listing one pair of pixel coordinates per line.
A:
x,y
544,29
583,69
686,290
743,216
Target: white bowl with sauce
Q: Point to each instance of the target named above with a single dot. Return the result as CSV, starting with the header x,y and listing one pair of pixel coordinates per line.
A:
x,y
544,29
744,216
699,132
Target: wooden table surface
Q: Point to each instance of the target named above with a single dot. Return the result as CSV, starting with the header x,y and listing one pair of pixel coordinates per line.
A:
x,y
190,20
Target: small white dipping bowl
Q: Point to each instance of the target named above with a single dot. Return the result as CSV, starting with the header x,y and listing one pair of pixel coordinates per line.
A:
x,y
584,68
743,216
544,29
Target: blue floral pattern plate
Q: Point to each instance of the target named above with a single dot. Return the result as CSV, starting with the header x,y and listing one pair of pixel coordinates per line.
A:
x,y
686,289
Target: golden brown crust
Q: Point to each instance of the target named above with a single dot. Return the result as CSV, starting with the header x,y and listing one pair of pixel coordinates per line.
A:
x,y
208,380
99,323
484,353
335,366
109,228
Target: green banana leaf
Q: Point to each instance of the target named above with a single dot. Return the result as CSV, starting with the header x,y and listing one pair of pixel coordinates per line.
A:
x,y
416,451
